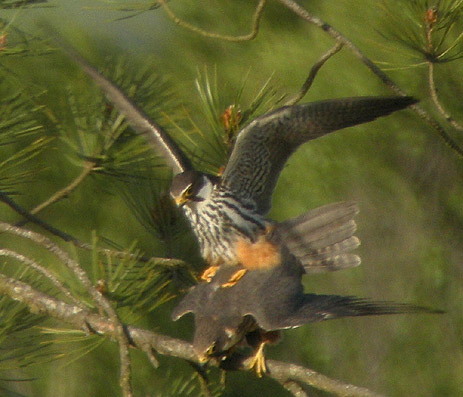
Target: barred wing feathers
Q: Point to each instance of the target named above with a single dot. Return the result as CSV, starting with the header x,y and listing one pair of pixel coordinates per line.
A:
x,y
263,147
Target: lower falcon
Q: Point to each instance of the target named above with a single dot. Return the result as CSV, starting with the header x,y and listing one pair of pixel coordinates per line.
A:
x,y
265,301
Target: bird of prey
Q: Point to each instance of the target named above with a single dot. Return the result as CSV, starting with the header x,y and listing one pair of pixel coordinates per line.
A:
x,y
228,213
253,283
262,303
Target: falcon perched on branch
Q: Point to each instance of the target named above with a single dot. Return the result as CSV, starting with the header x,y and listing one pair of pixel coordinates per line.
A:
x,y
262,303
254,279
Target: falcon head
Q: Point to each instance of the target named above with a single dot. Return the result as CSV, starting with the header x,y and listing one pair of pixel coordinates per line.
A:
x,y
214,337
191,187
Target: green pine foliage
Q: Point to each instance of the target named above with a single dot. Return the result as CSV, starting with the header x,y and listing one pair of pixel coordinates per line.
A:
x,y
69,157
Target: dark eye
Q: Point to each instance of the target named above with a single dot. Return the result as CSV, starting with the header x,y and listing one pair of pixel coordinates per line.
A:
x,y
189,191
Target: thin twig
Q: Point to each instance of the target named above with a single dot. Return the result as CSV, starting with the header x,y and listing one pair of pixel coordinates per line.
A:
x,y
430,24
148,350
32,218
97,296
313,72
44,271
305,15
284,372
435,99
246,37
40,303
295,389
80,244
202,379
64,192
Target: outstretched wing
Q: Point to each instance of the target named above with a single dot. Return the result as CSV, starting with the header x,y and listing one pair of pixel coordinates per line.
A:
x,y
263,147
136,118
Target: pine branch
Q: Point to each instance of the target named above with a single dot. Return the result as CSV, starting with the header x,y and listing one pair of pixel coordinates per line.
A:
x,y
435,99
44,271
340,38
80,244
64,192
97,296
147,341
313,73
430,25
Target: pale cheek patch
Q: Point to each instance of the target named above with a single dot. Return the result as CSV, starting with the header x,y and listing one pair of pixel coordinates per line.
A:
x,y
258,255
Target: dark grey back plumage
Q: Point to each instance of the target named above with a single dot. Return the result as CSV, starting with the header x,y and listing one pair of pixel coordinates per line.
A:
x,y
274,299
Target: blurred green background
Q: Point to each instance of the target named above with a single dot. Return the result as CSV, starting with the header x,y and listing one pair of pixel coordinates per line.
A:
x,y
407,182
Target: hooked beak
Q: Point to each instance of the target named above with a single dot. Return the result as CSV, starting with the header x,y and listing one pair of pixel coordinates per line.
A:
x,y
203,358
180,201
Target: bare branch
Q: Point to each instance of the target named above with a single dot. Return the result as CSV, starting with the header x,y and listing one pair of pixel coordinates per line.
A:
x,y
295,389
251,35
313,72
40,303
26,214
63,256
304,14
96,295
125,373
64,192
79,244
285,372
44,271
435,99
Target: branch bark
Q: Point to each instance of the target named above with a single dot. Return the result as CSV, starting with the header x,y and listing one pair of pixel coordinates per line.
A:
x,y
340,38
67,190
285,373
435,99
100,300
80,244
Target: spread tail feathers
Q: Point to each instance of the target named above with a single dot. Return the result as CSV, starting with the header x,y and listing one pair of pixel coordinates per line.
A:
x,y
321,238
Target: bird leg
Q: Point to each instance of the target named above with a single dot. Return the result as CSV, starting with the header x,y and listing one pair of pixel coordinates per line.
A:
x,y
257,361
209,273
257,340
235,277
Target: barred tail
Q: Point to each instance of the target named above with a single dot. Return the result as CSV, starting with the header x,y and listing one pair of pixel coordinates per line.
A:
x,y
321,238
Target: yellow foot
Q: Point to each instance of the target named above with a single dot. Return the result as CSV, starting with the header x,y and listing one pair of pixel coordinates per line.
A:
x,y
234,278
209,273
257,362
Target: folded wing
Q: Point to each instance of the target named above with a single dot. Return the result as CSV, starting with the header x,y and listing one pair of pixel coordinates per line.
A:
x,y
315,308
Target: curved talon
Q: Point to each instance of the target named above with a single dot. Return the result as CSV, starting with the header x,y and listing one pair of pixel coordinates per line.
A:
x,y
257,362
209,273
234,278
